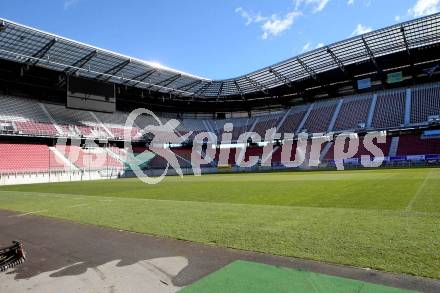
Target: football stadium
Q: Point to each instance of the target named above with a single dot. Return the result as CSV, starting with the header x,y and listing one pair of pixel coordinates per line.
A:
x,y
319,173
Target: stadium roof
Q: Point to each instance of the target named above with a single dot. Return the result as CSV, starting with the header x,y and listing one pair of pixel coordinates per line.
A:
x,y
30,46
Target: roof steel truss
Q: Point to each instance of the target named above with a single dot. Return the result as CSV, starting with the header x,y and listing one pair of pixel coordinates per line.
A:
x,y
18,43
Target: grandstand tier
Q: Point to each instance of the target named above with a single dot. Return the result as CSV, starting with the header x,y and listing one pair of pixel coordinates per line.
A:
x,y
389,111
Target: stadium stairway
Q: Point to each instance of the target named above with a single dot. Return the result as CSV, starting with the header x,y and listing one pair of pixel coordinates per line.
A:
x,y
305,118
326,149
55,124
121,156
282,120
335,115
62,158
208,126
271,155
394,146
102,124
254,124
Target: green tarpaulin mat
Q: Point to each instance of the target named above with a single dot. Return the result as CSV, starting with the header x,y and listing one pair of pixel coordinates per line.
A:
x,y
248,277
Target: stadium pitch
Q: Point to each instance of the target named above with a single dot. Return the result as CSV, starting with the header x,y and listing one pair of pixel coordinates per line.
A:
x,y
383,219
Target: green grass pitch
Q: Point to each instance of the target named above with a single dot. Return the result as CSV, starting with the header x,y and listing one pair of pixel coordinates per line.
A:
x,y
382,219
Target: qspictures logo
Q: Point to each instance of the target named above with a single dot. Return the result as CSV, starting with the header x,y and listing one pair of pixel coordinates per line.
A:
x,y
207,148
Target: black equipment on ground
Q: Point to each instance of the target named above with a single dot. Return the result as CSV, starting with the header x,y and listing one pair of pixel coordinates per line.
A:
x,y
11,256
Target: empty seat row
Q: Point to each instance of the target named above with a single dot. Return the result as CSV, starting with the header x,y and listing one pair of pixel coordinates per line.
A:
x,y
425,102
28,158
390,110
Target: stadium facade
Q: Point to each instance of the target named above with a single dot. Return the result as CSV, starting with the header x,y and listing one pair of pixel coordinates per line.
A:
x,y
54,89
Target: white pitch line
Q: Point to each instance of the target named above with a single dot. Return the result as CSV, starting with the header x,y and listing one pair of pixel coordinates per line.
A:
x,y
29,213
78,205
41,194
418,192
50,195
60,196
107,200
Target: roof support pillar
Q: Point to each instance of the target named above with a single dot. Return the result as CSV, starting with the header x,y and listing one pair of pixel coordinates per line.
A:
x,y
308,69
373,60
281,77
41,53
257,85
81,62
114,70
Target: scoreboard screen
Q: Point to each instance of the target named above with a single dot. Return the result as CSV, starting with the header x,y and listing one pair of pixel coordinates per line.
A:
x,y
87,94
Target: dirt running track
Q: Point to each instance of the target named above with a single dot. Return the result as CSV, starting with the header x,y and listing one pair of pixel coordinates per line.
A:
x,y
68,257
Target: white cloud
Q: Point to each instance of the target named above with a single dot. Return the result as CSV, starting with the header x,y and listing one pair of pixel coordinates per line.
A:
x,y
309,46
70,3
350,2
397,18
361,29
306,47
250,16
317,5
276,25
271,26
424,7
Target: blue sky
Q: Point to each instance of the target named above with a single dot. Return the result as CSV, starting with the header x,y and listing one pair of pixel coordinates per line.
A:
x,y
213,39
